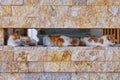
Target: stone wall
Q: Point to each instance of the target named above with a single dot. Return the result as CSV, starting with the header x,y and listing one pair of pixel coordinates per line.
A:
x,y
65,63
59,63
59,13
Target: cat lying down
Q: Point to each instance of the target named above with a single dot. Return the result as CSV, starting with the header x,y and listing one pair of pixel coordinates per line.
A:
x,y
15,39
61,40
104,41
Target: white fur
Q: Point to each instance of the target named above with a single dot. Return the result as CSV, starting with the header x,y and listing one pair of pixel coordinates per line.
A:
x,y
32,34
92,43
67,41
12,42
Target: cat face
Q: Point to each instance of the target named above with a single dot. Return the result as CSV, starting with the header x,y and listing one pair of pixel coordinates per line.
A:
x,y
16,35
111,38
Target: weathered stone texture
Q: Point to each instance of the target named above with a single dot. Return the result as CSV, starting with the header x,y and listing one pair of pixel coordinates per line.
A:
x,y
11,2
103,2
79,2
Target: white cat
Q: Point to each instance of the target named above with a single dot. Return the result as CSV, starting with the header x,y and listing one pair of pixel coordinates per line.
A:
x,y
106,40
59,40
14,39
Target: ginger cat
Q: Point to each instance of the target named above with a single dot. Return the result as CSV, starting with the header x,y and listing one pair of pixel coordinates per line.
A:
x,y
59,40
105,41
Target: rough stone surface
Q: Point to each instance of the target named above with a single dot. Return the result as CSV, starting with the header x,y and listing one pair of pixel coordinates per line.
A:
x,y
11,2
59,63
79,2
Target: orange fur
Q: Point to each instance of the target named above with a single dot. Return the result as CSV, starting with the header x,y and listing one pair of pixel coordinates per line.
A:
x,y
16,35
74,41
56,40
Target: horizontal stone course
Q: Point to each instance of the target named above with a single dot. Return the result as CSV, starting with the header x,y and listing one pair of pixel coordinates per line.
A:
x,y
53,16
59,76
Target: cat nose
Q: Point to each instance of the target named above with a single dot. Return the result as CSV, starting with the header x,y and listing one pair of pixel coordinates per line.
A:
x,y
115,42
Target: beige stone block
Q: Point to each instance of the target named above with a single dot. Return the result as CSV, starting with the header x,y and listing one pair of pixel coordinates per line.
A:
x,y
52,66
86,16
37,54
113,76
9,67
83,66
20,55
5,11
57,76
114,22
17,2
113,13
32,2
112,55
59,67
10,76
36,66
23,22
30,53
53,16
13,67
8,48
79,2
58,55
56,2
103,2
33,76
67,67
113,66
102,22
88,55
98,76
6,2
11,2
99,67
73,17
25,11
6,22
80,76
6,56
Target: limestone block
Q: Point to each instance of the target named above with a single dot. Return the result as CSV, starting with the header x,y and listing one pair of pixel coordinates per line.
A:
x,y
114,14
57,76
32,2
6,22
88,55
33,76
58,55
103,2
6,55
24,22
35,66
113,66
5,11
25,11
98,76
52,66
79,2
112,55
83,66
56,2
11,2
80,76
10,76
